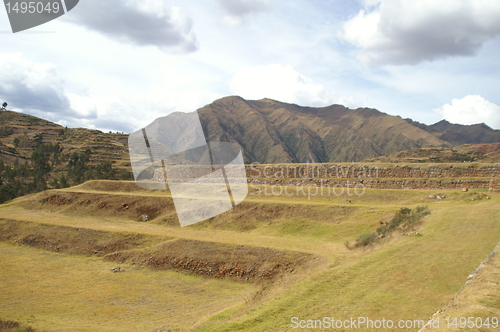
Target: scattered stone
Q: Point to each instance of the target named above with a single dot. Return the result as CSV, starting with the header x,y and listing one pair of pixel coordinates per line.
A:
x,y
117,269
144,218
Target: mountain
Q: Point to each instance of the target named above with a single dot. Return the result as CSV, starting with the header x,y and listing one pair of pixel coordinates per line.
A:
x,y
270,131
21,133
487,152
458,134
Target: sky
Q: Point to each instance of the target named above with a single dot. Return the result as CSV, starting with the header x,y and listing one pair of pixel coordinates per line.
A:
x,y
117,65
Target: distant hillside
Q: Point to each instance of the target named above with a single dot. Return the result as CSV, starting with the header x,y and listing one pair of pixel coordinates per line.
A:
x,y
270,131
457,134
36,155
462,153
21,133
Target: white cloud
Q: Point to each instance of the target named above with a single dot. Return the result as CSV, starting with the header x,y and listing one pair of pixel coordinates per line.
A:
x,y
471,109
409,32
278,82
32,85
141,22
237,10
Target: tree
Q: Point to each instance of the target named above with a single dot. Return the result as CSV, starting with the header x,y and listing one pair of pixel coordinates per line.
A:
x,y
6,193
54,183
63,182
38,138
4,106
39,183
16,142
40,159
2,166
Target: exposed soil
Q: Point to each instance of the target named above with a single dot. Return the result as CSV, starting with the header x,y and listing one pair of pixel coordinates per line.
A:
x,y
129,207
244,217
208,259
249,212
76,241
101,185
215,260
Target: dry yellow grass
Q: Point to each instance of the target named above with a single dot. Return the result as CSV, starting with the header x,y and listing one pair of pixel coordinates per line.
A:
x,y
479,299
51,291
404,278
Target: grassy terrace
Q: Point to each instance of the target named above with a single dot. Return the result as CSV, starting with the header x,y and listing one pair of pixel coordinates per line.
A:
x,y
401,277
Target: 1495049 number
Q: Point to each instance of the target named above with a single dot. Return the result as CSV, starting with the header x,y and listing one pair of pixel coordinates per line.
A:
x,y
472,322
32,7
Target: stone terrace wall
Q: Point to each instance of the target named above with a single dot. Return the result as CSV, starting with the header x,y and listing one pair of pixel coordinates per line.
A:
x,y
328,171
331,175
495,185
379,183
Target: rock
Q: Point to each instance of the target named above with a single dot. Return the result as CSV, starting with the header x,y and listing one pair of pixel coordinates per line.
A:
x,y
144,218
116,269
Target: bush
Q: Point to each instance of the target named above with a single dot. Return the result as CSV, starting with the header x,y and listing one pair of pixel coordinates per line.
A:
x,y
365,239
6,194
11,326
404,220
6,131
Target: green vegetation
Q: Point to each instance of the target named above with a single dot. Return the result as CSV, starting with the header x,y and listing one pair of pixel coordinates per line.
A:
x,y
12,326
36,155
49,167
58,247
405,220
6,131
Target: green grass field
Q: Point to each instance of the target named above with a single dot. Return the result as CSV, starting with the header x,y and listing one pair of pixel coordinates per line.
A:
x,y
401,277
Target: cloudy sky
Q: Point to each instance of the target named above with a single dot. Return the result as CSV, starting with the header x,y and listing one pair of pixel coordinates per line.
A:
x,y
119,64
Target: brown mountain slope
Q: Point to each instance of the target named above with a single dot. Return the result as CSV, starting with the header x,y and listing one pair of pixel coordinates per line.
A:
x,y
462,153
270,131
458,134
29,130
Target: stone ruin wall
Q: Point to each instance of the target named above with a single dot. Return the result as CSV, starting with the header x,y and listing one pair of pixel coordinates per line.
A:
x,y
495,185
329,171
396,177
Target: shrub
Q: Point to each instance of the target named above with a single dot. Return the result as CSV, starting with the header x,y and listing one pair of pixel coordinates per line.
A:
x,y
6,194
365,239
404,220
